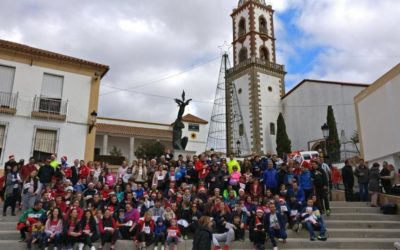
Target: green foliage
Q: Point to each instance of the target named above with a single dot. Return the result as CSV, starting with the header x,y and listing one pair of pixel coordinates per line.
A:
x,y
283,144
333,143
115,151
150,150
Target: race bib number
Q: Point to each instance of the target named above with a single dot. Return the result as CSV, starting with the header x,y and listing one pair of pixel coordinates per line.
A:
x,y
293,212
160,178
146,230
172,177
284,209
172,233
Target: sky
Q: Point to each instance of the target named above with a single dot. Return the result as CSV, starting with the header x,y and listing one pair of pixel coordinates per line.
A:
x,y
157,48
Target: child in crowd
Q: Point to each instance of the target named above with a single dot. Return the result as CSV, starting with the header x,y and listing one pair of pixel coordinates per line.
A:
x,y
173,235
38,235
159,233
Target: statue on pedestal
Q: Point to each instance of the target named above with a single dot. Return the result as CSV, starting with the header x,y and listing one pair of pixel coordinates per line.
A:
x,y
177,141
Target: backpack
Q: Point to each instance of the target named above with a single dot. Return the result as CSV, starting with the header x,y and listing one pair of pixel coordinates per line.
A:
x,y
390,208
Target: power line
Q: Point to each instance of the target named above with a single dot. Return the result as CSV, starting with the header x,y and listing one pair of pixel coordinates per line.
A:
x,y
144,84
242,105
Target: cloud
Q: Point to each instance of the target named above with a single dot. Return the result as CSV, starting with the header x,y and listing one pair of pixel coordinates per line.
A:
x,y
357,38
161,47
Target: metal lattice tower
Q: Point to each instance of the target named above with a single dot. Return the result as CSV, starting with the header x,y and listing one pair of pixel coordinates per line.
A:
x,y
217,132
241,144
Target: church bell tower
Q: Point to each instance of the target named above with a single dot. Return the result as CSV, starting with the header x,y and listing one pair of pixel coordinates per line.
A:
x,y
255,76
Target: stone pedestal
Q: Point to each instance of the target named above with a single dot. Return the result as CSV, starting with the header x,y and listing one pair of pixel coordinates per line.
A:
x,y
184,153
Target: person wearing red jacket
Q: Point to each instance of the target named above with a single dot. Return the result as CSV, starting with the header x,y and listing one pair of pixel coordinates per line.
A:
x,y
173,234
256,189
84,170
108,230
200,167
145,231
27,169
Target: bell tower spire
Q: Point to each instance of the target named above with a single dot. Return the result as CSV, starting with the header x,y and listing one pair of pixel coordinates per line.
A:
x,y
253,31
257,78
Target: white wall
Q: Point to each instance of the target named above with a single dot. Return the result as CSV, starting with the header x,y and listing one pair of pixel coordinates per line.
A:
x,y
305,111
72,133
134,123
20,136
198,144
243,83
379,115
260,42
28,83
245,14
270,109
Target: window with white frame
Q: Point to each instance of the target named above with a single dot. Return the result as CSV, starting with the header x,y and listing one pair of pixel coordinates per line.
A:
x,y
6,84
45,143
51,94
2,137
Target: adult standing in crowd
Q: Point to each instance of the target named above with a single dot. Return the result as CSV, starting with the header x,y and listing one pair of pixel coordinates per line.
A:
x,y
31,190
362,174
321,187
46,173
13,181
374,177
348,180
27,169
386,178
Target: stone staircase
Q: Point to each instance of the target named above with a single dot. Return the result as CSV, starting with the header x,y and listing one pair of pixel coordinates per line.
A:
x,y
352,225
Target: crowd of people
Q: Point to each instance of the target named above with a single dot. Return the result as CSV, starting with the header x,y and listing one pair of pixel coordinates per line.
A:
x,y
372,180
208,198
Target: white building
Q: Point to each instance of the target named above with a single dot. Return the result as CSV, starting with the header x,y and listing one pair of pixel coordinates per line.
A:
x,y
128,135
260,87
378,119
304,109
258,79
41,110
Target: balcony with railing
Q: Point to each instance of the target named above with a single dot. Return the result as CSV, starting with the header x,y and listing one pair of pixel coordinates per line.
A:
x,y
8,103
258,62
49,108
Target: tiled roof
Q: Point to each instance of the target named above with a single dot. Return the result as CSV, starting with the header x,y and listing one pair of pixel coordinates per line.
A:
x,y
17,47
134,131
194,119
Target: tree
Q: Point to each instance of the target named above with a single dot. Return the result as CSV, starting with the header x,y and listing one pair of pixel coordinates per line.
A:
x,y
355,139
115,151
283,144
332,143
150,150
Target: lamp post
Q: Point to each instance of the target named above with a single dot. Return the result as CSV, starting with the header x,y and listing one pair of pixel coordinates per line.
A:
x,y
238,148
93,119
325,134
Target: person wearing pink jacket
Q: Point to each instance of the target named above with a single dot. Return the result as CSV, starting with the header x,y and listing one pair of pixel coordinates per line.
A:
x,y
54,228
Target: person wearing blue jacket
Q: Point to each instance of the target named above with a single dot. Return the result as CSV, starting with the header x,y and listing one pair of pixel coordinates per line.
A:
x,y
159,232
274,225
270,178
305,182
297,192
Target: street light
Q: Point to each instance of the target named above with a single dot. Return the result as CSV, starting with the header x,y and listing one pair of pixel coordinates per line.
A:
x,y
93,119
238,148
325,134
325,131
